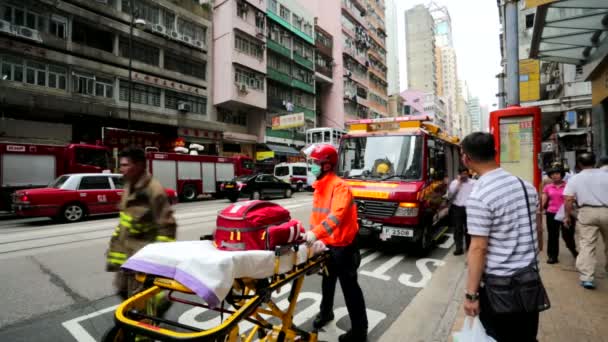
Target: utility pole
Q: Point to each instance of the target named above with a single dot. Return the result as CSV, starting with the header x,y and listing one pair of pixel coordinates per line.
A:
x,y
512,52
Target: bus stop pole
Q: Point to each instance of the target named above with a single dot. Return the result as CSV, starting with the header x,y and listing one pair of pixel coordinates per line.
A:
x,y
512,52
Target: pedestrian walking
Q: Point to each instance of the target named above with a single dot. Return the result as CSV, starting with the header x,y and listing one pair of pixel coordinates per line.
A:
x,y
589,191
552,201
146,216
334,222
504,239
458,192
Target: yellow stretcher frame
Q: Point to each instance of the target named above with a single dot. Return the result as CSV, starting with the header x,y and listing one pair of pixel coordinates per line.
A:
x,y
254,301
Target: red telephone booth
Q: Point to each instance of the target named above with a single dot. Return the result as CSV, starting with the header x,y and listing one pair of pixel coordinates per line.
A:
x,y
517,137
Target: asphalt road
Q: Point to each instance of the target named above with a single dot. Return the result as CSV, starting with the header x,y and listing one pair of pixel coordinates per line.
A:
x,y
54,287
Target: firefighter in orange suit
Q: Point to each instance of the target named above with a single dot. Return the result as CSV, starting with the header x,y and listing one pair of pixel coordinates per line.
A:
x,y
334,222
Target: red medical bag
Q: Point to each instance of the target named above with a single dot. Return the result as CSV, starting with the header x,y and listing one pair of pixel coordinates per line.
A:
x,y
255,225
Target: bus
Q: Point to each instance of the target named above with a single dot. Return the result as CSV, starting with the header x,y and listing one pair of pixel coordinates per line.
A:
x,y
324,135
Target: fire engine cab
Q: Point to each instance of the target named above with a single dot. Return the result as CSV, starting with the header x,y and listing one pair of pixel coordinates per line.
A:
x,y
399,169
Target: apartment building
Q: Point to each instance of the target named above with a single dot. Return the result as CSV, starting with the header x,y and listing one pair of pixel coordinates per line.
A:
x,y
68,61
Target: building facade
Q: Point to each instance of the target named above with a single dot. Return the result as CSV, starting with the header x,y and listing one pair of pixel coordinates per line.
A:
x,y
474,111
420,49
392,47
68,62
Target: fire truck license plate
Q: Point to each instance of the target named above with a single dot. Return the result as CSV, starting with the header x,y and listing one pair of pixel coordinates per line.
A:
x,y
390,231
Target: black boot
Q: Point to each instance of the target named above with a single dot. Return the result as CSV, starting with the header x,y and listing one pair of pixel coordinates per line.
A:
x,y
321,320
351,336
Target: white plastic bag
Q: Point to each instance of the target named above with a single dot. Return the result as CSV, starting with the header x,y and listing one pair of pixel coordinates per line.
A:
x,y
472,331
561,214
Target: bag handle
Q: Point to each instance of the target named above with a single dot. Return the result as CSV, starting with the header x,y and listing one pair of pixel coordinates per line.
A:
x,y
530,222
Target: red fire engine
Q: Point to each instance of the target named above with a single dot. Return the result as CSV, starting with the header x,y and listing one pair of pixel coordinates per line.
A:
x,y
398,169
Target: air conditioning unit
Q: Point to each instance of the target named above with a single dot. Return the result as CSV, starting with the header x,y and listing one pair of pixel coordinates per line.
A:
x,y
149,26
242,87
348,94
186,39
200,44
5,26
174,35
159,28
184,107
552,87
28,33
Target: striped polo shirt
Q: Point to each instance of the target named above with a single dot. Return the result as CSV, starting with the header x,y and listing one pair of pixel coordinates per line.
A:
x,y
496,208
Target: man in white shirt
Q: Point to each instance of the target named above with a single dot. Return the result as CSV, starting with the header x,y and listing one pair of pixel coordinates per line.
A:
x,y
458,193
589,188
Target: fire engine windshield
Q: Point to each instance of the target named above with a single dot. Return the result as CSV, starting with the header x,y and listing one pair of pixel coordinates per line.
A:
x,y
381,157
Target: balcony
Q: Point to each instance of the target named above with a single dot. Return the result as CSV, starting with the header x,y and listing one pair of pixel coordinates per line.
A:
x,y
285,134
308,113
325,71
376,38
303,61
353,13
278,76
302,86
377,55
377,72
324,42
278,48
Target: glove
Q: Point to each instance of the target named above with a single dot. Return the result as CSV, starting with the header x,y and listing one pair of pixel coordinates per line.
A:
x,y
318,247
310,237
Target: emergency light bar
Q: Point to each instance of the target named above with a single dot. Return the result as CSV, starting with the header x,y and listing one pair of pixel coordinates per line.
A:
x,y
386,124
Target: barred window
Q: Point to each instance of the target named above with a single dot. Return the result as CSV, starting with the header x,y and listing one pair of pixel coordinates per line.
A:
x,y
141,52
248,46
141,94
32,72
198,104
185,66
250,78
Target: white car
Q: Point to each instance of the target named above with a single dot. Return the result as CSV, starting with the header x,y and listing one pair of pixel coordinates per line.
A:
x,y
296,174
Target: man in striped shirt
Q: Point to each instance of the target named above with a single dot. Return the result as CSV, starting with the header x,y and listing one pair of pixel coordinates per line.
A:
x,y
501,239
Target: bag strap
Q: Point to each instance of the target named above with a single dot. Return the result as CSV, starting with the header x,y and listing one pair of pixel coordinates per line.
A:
x,y
534,242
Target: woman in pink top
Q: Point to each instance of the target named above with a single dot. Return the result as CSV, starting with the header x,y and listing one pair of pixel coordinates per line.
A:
x,y
552,200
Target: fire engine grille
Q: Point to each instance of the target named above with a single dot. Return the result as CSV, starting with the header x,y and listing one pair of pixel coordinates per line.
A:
x,y
376,208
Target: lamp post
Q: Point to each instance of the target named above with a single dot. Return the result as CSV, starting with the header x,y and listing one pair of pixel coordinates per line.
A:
x,y
140,23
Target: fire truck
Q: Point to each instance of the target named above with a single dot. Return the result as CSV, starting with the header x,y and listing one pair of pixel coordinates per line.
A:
x,y
27,166
398,169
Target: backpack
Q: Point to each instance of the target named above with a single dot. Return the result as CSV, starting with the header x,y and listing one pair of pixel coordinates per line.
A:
x,y
255,225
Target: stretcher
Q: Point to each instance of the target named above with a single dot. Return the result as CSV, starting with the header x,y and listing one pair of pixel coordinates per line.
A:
x,y
248,300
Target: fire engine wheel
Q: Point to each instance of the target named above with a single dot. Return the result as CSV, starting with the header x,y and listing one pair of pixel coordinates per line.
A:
x,y
422,246
73,212
189,193
116,334
288,193
256,195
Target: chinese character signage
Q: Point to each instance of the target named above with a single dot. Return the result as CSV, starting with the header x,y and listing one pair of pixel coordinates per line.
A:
x,y
288,121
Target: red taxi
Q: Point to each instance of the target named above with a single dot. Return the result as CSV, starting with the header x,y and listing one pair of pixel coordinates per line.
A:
x,y
72,197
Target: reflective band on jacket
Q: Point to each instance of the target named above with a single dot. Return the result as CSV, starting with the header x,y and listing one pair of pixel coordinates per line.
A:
x,y
327,227
334,219
238,245
162,238
321,210
116,258
126,221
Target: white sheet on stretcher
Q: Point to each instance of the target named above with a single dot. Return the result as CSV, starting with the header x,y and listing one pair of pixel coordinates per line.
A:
x,y
206,270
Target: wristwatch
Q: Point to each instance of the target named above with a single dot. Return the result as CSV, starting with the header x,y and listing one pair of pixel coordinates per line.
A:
x,y
473,297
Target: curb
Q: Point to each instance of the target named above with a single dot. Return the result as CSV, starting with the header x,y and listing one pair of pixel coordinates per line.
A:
x,y
430,315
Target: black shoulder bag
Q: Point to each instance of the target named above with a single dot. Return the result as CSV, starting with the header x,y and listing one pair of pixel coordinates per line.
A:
x,y
524,290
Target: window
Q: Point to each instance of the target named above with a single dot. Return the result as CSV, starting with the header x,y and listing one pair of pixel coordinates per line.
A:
x,y
94,183
198,104
437,160
141,52
141,94
58,183
238,118
241,9
12,69
191,30
185,66
303,75
91,157
260,20
281,171
58,26
279,64
118,183
57,77
147,11
285,13
248,77
308,29
298,22
273,5
92,37
530,20
299,171
22,16
248,46
104,87
35,73
83,84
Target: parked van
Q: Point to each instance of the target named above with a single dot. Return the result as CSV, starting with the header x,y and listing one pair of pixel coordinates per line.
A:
x,y
295,174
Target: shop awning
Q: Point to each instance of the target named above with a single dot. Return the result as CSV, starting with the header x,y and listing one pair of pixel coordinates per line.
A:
x,y
570,31
283,150
240,137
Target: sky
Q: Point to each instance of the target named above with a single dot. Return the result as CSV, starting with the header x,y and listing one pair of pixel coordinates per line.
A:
x,y
475,29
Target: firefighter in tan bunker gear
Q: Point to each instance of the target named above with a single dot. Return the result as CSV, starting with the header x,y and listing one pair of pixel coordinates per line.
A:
x,y
146,217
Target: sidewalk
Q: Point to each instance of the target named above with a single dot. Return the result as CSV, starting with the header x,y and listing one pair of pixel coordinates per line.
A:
x,y
576,314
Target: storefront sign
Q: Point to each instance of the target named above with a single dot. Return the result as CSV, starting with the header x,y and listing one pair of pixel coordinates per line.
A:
x,y
157,81
121,138
199,133
599,85
263,155
529,80
288,121
536,3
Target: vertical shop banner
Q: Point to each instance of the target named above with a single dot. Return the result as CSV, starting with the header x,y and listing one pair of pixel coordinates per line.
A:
x,y
516,146
529,80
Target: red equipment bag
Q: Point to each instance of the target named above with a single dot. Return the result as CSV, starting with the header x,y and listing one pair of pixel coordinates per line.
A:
x,y
286,233
254,225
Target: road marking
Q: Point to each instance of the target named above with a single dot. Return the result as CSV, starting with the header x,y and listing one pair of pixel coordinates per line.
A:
x,y
405,278
378,273
449,242
369,258
78,331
